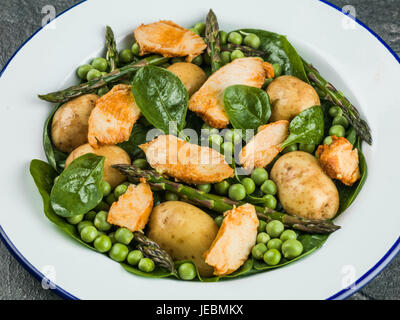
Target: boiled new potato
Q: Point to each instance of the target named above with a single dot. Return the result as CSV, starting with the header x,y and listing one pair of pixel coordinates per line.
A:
x,y
113,155
191,75
69,128
289,96
184,231
303,187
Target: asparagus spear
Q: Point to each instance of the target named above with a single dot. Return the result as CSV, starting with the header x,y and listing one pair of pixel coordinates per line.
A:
x,y
112,53
222,204
113,76
212,40
337,98
153,251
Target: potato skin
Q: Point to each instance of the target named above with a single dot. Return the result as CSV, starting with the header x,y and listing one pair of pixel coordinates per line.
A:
x,y
184,231
113,155
303,187
69,128
191,75
289,96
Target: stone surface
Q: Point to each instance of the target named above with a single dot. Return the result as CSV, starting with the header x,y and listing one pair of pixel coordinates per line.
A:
x,y
20,18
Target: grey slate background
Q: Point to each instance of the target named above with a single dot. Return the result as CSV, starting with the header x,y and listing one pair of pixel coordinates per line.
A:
x,y
20,18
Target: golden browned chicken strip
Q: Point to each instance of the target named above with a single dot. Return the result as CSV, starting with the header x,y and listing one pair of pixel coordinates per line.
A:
x,y
339,160
235,238
208,101
133,208
186,161
169,39
112,119
264,146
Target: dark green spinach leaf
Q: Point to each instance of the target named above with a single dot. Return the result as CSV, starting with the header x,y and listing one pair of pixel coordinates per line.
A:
x,y
137,137
77,190
306,127
162,98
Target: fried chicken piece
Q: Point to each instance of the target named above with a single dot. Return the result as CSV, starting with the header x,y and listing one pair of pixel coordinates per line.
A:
x,y
339,160
112,119
235,239
185,161
169,39
208,101
264,146
133,208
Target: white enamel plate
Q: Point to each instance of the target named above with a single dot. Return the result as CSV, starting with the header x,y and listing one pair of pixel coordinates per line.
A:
x,y
345,52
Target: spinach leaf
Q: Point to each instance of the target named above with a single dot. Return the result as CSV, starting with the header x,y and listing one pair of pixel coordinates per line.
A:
x,y
55,157
161,96
306,127
43,175
137,137
247,107
77,190
279,50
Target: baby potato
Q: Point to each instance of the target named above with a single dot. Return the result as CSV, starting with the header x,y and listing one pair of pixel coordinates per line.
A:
x,y
191,75
69,128
303,187
113,155
184,231
289,96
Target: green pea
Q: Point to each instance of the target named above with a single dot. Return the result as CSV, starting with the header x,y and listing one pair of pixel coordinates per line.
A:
x,y
170,196
141,163
288,235
236,54
93,74
270,201
327,140
222,187
90,215
118,252
195,31
292,147
102,206
200,27
187,271
237,192
261,225
259,175
75,219
102,91
306,147
335,111
275,228
225,57
227,148
341,120
110,199
105,188
207,130
100,64
83,224
258,251
100,221
88,234
102,243
277,69
249,185
134,257
83,70
126,56
275,244
146,265
124,236
120,190
252,40
235,38
223,37
233,136
272,257
218,220
269,187
206,187
263,237
292,248
135,49
198,60
215,140
337,130
112,237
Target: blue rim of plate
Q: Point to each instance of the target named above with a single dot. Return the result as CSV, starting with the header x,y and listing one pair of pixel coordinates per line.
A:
x,y
343,294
